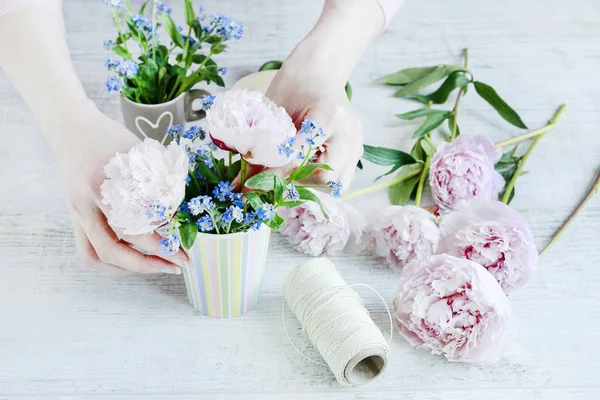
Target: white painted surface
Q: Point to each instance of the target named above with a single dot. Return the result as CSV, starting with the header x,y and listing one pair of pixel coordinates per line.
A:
x,y
70,333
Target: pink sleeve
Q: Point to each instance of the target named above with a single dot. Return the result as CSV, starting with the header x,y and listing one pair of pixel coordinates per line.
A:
x,y
7,6
389,8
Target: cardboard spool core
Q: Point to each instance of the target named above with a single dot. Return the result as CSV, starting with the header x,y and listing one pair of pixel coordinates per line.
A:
x,y
365,366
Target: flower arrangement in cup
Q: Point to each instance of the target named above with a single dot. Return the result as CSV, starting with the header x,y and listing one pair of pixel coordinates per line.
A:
x,y
164,70
188,186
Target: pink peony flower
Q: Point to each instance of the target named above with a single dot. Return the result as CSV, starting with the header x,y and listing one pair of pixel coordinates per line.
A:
x,y
145,186
250,124
464,170
307,229
495,236
453,307
404,234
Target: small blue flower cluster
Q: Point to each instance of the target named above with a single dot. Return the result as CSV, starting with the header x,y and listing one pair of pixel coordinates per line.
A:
x,y
200,204
206,102
205,223
128,68
156,212
287,149
194,132
174,130
108,44
142,22
111,64
223,191
311,130
224,26
170,245
292,193
162,7
113,83
336,188
116,4
222,71
233,213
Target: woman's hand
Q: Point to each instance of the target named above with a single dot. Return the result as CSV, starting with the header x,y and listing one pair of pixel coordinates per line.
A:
x,y
91,140
314,95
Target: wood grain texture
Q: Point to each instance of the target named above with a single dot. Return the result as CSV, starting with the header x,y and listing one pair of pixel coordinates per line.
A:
x,y
67,333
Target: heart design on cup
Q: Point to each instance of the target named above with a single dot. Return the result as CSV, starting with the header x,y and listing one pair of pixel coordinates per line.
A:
x,y
152,125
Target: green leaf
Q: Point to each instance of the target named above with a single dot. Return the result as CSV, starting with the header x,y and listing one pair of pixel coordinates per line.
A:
x,y
254,199
400,193
307,170
489,94
264,181
454,80
189,12
188,233
438,73
450,129
385,156
405,76
172,30
233,170
431,122
417,151
422,112
275,223
197,29
348,89
507,167
218,48
199,59
120,51
306,194
143,9
427,146
271,65
207,173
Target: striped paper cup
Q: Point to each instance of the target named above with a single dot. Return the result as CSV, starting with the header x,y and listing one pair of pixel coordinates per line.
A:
x,y
225,271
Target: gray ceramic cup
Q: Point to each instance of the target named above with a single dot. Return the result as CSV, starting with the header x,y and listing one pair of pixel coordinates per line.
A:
x,y
152,120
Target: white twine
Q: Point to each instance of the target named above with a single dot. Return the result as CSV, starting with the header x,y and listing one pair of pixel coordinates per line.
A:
x,y
335,321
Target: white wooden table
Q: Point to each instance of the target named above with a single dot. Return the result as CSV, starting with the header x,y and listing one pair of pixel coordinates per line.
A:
x,y
70,333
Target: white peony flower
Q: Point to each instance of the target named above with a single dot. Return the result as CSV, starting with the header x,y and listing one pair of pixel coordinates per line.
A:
x,y
145,186
250,124
310,232
404,234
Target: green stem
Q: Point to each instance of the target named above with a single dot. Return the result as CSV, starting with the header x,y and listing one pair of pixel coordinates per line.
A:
x,y
230,158
580,207
460,93
172,92
525,136
214,222
382,185
154,30
196,182
515,176
118,24
244,174
422,181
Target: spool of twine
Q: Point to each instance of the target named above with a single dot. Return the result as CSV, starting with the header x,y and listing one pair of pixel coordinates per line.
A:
x,y
335,321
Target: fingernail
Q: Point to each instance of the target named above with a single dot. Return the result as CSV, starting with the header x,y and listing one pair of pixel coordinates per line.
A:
x,y
172,270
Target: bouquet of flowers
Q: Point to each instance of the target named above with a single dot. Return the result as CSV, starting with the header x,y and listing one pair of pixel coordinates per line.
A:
x,y
197,190
188,185
164,70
